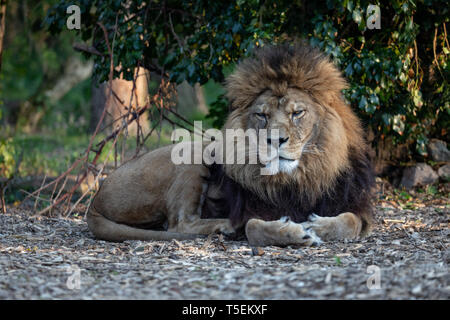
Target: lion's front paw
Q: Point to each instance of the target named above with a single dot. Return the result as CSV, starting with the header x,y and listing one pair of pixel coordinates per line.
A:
x,y
279,233
344,226
319,225
313,217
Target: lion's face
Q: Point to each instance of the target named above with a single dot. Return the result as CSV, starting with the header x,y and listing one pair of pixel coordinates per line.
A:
x,y
311,147
296,117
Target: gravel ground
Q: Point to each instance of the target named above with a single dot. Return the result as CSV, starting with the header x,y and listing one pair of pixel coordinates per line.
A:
x,y
57,258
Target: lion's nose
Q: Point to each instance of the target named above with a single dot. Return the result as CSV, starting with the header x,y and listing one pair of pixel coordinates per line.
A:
x,y
280,141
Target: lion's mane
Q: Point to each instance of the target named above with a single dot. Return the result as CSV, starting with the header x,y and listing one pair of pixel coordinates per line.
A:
x,y
335,179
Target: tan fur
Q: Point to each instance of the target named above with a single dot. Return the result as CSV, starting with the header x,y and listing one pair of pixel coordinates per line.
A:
x,y
152,190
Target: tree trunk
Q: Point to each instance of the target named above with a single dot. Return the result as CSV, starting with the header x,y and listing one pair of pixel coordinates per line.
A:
x,y
123,89
200,94
191,98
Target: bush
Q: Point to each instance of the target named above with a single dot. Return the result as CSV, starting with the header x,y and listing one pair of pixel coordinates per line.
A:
x,y
8,158
398,74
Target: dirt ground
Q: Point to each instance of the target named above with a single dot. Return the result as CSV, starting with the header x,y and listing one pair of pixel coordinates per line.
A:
x,y
406,257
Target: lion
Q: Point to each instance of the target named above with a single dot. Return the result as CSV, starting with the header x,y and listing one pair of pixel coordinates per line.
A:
x,y
321,189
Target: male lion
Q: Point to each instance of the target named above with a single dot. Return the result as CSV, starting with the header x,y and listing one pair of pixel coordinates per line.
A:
x,y
321,189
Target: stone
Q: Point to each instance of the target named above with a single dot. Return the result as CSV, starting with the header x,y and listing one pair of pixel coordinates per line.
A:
x,y
444,172
419,175
438,151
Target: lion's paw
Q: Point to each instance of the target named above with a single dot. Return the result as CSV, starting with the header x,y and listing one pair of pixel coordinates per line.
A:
x,y
317,224
344,226
313,217
279,233
313,237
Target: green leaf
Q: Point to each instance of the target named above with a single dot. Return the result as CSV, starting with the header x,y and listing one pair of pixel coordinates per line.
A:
x,y
362,103
357,16
397,124
337,260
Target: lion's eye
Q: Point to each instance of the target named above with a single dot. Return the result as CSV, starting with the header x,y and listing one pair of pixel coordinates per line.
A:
x,y
298,114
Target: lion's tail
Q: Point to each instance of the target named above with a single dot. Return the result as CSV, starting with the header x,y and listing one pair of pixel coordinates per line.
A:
x,y
108,230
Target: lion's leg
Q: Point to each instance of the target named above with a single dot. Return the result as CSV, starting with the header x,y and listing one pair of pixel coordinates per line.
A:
x,y
344,226
279,233
203,226
185,199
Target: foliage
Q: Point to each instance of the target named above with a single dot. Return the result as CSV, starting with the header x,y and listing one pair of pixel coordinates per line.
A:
x,y
398,74
29,53
71,114
218,110
32,62
8,156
